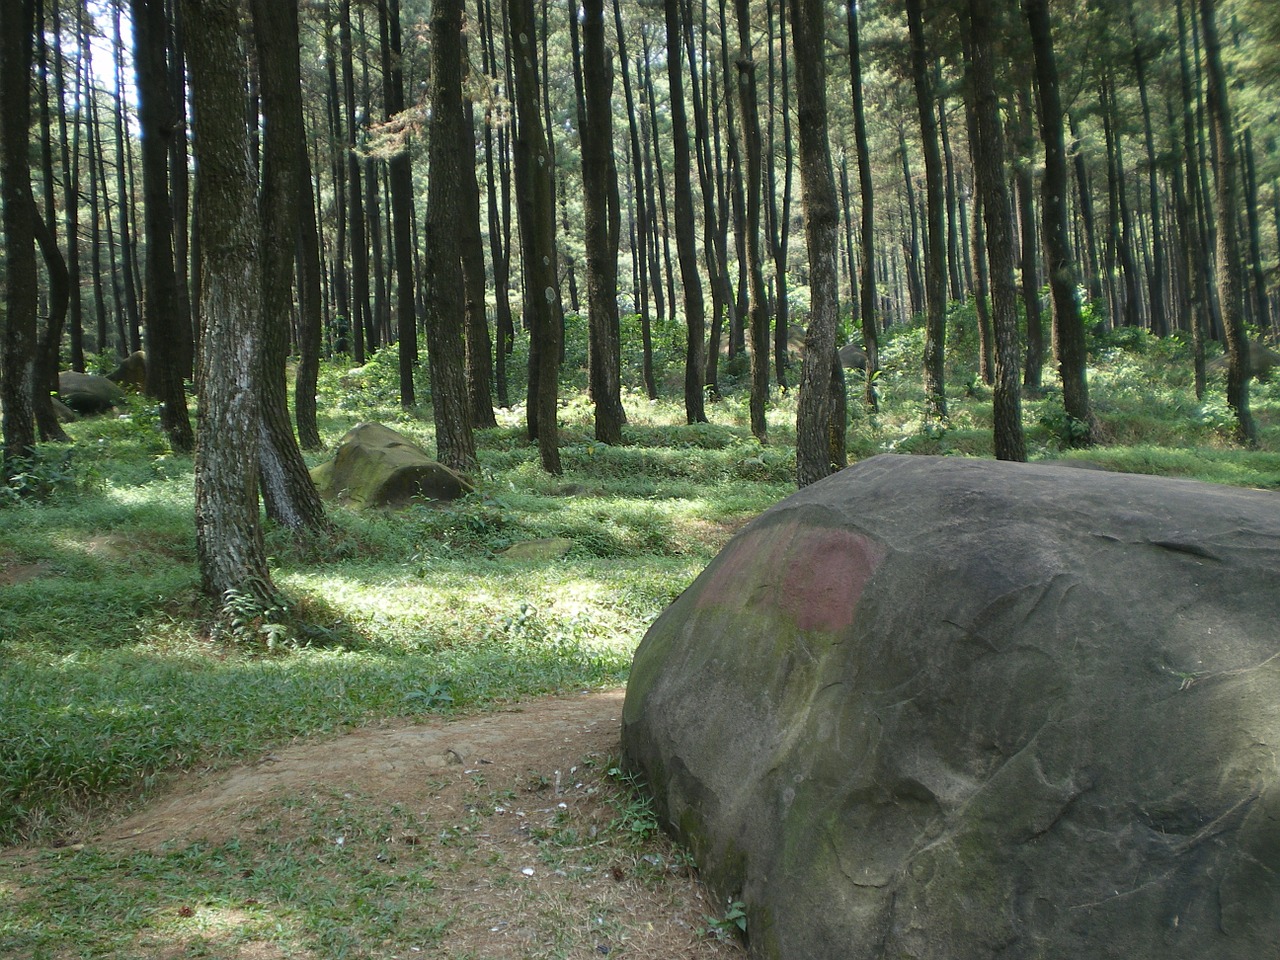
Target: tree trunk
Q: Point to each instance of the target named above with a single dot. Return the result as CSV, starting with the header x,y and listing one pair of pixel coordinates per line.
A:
x,y
1230,269
479,347
131,339
987,145
160,121
499,216
446,310
17,28
686,249
310,312
536,199
71,204
360,311
643,219
288,492
232,559
1068,325
820,412
935,261
758,298
1159,318
602,227
779,219
46,372
866,189
1028,257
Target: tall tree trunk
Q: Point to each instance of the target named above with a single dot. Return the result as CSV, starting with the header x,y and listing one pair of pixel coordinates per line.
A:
x,y
982,296
935,261
180,196
455,443
758,298
779,218
1159,318
643,220
360,311
497,182
1092,271
1258,294
479,347
866,190
1230,270
694,309
310,312
233,562
46,372
288,492
132,339
820,412
535,200
1128,301
602,227
96,197
17,27
71,199
160,120
1028,257
987,144
1068,325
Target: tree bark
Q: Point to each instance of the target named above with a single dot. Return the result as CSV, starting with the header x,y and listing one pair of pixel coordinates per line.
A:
x,y
1068,325
686,248
1230,270
17,28
866,190
160,121
647,265
757,296
288,492
446,311
820,412
989,171
935,260
602,227
229,543
535,200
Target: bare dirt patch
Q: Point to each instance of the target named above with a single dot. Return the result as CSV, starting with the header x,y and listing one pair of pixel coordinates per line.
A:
x,y
519,841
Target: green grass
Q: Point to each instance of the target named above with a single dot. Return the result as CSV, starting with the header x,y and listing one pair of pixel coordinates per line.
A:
x,y
108,676
109,679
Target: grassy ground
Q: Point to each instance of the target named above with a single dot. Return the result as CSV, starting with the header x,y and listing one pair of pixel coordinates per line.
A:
x,y
109,680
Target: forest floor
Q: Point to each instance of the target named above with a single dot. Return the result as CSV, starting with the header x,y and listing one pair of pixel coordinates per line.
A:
x,y
519,840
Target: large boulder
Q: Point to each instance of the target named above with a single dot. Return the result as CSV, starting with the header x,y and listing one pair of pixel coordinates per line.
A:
x,y
936,708
373,466
132,372
1261,361
87,393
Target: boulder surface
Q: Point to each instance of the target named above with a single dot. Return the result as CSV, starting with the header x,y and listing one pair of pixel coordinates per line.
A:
x,y
88,393
936,708
373,466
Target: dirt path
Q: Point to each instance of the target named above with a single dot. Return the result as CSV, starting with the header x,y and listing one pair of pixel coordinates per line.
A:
x,y
513,814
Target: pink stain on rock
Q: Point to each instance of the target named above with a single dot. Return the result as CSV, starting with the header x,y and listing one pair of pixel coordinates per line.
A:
x,y
815,575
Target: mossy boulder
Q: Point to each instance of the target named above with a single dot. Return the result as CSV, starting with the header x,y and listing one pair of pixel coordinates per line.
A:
x,y
374,466
1261,361
86,393
950,709
852,357
132,372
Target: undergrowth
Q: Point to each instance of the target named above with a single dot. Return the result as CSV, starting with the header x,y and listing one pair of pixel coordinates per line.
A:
x,y
109,676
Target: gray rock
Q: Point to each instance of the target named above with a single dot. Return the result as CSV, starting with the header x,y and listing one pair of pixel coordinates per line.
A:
x,y
373,466
937,708
87,393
